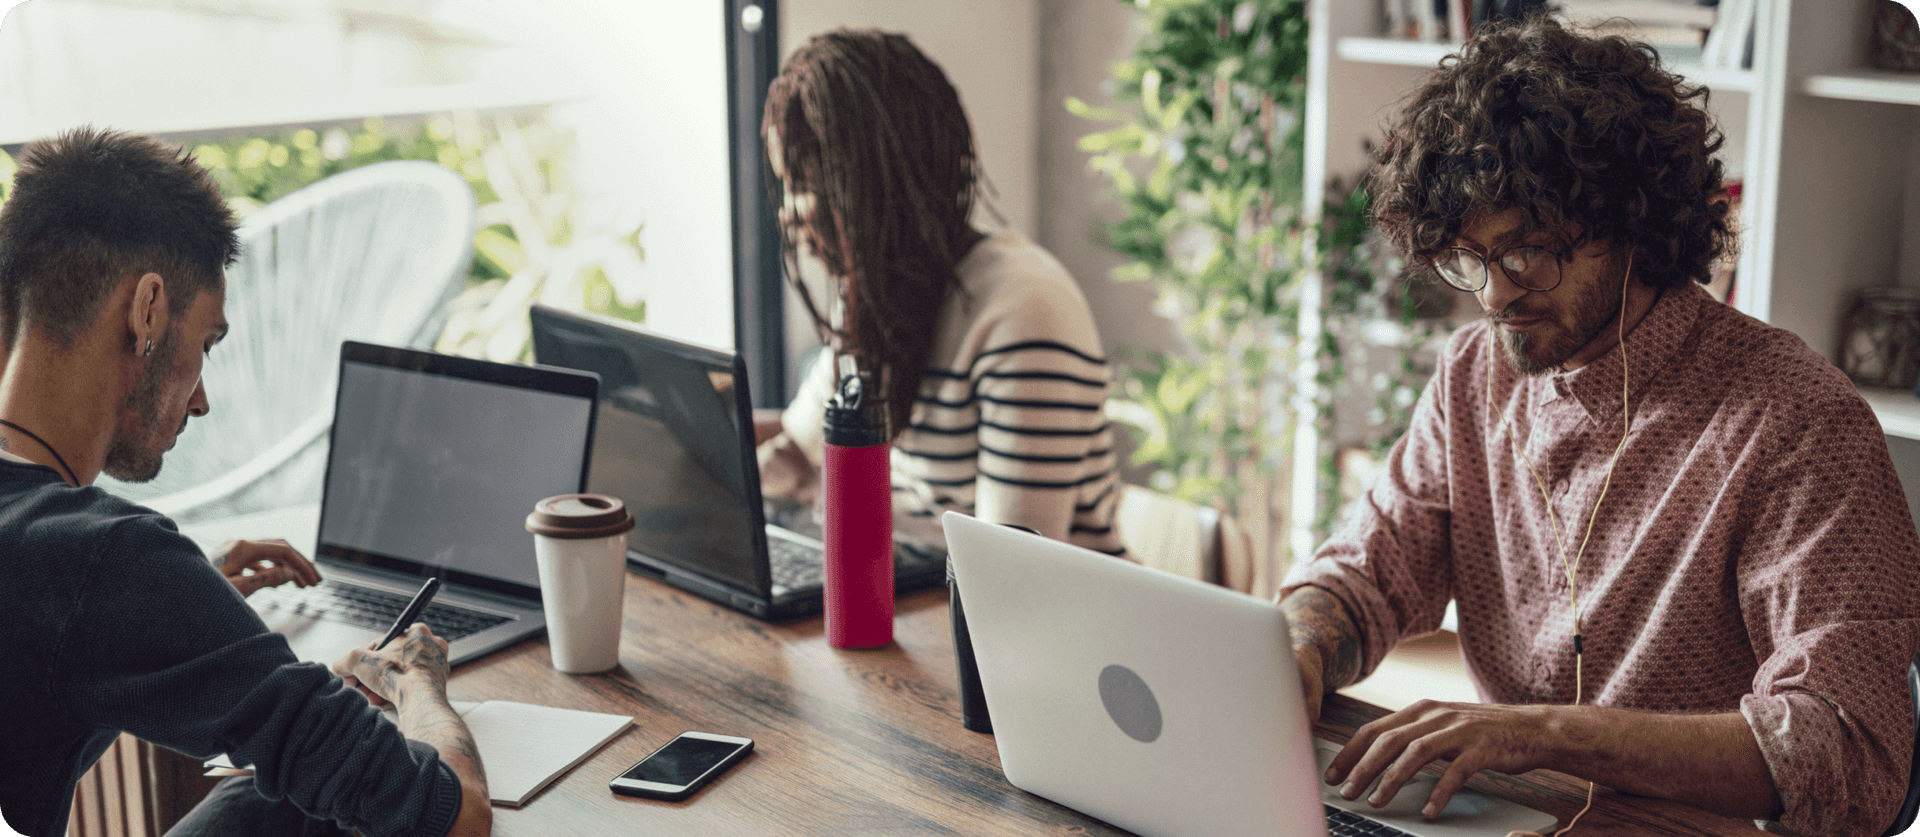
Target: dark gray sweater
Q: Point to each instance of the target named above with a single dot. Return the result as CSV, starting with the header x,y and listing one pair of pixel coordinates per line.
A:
x,y
111,620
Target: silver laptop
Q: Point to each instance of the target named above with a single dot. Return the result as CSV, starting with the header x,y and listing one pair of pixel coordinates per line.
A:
x,y
434,465
1160,704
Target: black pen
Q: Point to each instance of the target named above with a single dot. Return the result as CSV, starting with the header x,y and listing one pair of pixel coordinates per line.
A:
x,y
412,612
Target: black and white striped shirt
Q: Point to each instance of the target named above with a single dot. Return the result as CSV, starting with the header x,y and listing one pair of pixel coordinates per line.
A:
x,y
1011,423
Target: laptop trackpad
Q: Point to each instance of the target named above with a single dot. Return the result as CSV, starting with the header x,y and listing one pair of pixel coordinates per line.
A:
x,y
1468,812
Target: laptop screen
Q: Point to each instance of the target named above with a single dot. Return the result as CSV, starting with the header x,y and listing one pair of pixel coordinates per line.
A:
x,y
437,460
671,442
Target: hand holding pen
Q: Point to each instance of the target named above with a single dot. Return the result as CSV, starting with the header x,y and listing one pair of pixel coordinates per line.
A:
x,y
411,613
384,669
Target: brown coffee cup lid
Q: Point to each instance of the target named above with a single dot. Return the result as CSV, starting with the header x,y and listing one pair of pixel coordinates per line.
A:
x,y
579,516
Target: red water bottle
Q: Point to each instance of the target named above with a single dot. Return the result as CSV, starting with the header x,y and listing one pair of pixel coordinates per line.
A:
x,y
856,493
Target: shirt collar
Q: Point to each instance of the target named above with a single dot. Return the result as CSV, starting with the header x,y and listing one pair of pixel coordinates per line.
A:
x,y
1651,348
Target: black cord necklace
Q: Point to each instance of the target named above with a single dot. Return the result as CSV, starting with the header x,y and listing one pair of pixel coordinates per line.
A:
x,y
43,443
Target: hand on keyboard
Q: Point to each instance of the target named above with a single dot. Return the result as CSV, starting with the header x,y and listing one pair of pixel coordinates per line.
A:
x,y
253,565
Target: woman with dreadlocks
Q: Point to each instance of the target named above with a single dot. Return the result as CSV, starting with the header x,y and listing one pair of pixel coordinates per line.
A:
x,y
984,348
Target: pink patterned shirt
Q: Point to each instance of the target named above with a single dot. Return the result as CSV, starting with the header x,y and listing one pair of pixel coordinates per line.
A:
x,y
1755,551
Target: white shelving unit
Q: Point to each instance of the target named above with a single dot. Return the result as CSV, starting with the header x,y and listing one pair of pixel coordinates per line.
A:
x,y
1865,86
1843,211
1828,150
1398,52
1393,51
1896,410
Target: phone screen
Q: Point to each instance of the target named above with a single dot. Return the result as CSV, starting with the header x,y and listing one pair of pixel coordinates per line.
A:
x,y
681,761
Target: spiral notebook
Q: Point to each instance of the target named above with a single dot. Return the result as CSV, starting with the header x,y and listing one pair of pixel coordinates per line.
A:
x,y
523,746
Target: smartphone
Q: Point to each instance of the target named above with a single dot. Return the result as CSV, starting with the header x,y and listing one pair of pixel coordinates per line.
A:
x,y
678,769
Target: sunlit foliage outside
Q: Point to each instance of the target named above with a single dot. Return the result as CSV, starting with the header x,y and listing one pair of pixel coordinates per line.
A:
x,y
530,244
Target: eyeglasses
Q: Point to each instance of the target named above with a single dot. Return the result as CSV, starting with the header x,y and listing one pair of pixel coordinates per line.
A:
x,y
1529,266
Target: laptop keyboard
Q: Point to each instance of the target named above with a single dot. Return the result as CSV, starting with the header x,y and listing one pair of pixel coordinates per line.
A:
x,y
376,609
795,566
1345,824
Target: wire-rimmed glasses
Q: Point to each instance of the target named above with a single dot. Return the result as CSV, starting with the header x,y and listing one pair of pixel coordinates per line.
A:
x,y
1529,266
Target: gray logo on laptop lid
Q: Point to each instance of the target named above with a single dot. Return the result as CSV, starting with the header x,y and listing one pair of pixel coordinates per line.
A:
x,y
1130,703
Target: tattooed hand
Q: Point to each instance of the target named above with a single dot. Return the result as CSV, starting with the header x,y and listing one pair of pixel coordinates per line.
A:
x,y
411,672
417,658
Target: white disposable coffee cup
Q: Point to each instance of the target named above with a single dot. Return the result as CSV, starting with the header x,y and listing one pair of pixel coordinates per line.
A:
x,y
580,544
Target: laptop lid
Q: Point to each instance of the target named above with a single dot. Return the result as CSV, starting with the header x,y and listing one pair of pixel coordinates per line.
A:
x,y
1154,702
435,462
1161,704
674,442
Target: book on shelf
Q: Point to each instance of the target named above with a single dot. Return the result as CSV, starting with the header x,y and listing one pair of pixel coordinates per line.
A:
x,y
1746,51
1720,38
1730,42
1400,21
1681,30
1661,36
1660,22
1426,19
1650,13
1677,28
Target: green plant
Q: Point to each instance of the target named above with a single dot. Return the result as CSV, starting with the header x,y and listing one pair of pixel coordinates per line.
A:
x,y
529,242
1383,329
1207,161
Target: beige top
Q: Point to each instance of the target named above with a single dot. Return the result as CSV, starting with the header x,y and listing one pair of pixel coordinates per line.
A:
x,y
1011,423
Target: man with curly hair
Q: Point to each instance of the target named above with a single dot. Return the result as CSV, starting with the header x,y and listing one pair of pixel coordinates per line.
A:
x,y
1682,561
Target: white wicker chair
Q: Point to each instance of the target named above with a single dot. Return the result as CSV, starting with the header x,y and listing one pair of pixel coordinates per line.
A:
x,y
374,254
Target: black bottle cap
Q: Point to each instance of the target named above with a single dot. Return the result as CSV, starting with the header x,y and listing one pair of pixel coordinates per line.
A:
x,y
856,417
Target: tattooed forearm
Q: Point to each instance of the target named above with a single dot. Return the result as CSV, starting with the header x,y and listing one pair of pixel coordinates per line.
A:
x,y
430,658
1320,621
425,716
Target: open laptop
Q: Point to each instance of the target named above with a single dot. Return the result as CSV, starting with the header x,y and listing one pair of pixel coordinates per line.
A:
x,y
675,442
1163,705
434,464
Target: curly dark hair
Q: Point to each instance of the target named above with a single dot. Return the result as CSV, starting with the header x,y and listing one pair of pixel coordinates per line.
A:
x,y
871,127
1589,136
91,207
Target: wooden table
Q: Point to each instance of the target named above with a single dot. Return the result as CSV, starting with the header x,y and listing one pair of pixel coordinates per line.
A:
x,y
852,741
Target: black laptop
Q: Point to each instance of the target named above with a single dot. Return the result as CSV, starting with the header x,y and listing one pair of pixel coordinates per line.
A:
x,y
434,463
674,440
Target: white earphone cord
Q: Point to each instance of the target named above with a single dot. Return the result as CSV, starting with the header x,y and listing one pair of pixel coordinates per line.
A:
x,y
1572,568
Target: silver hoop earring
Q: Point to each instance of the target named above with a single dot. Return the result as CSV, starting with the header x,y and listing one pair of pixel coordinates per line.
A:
x,y
149,350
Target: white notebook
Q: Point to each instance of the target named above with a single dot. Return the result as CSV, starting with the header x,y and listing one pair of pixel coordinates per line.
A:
x,y
523,746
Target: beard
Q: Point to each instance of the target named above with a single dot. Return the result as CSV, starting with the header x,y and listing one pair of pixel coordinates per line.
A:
x,y
1566,330
132,455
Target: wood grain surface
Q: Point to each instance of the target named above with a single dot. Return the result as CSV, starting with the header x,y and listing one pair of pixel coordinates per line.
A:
x,y
850,742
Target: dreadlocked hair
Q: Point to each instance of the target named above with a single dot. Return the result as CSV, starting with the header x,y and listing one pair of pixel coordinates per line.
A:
x,y
872,129
1571,129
